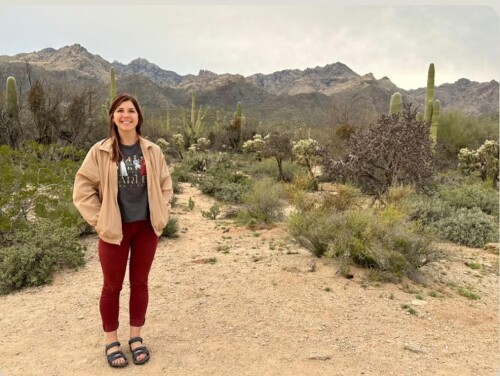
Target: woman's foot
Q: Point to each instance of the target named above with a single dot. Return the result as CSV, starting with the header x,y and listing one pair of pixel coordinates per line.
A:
x,y
140,353
116,358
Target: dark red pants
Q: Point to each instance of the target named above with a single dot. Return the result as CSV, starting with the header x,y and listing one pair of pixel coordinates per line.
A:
x,y
140,240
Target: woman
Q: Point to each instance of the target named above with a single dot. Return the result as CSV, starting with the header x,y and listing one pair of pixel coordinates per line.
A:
x,y
124,189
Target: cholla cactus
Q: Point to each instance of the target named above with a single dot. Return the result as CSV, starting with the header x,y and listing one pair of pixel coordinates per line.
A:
x,y
202,145
306,152
164,145
483,161
179,143
255,146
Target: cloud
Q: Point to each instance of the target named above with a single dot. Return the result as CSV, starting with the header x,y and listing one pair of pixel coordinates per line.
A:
x,y
394,41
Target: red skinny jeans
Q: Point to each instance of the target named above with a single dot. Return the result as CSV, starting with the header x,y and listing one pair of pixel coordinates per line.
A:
x,y
140,239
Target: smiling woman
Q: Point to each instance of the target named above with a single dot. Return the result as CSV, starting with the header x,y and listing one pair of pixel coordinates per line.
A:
x,y
124,189
126,119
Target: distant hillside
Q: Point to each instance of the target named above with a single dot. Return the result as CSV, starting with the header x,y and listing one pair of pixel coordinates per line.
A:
x,y
307,96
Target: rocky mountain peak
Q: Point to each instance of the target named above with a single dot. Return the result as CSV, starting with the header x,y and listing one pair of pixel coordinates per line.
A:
x,y
207,74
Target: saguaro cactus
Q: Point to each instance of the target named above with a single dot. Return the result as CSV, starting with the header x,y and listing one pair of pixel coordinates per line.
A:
x,y
436,109
234,131
13,127
112,87
396,104
431,108
193,127
112,93
12,103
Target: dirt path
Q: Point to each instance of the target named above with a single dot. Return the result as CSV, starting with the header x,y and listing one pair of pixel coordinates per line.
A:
x,y
225,300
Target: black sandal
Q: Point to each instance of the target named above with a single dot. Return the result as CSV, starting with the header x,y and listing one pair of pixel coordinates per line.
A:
x,y
138,351
115,355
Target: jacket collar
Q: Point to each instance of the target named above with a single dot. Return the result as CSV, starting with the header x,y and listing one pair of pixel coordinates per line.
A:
x,y
106,144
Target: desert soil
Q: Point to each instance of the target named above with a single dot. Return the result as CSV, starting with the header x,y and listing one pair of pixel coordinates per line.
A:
x,y
228,300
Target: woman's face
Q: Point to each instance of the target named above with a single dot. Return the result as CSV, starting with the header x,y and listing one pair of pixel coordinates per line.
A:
x,y
126,117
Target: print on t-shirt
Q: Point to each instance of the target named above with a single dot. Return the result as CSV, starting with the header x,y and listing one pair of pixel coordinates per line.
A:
x,y
132,172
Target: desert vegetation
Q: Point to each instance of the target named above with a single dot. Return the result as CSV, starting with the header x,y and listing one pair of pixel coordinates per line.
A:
x,y
377,196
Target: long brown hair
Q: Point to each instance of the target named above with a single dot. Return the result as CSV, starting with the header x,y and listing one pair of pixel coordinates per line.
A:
x,y
113,129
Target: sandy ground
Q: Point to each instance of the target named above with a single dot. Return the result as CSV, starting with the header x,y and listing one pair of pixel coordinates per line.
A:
x,y
226,300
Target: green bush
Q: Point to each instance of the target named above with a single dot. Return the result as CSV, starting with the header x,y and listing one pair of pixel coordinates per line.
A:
x,y
171,229
181,173
345,197
373,239
470,227
379,240
225,185
470,196
457,130
428,209
35,180
313,229
267,168
264,203
36,252
212,213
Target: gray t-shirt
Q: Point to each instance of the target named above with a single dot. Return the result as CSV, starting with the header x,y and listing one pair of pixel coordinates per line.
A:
x,y
132,184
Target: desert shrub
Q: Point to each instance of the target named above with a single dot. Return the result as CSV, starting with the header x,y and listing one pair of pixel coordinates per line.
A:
x,y
313,229
428,209
182,173
225,185
470,196
304,181
171,229
470,227
35,252
399,193
457,130
383,240
345,197
211,213
37,181
264,203
373,239
267,168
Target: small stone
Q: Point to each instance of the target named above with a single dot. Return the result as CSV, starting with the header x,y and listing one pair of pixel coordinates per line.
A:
x,y
320,357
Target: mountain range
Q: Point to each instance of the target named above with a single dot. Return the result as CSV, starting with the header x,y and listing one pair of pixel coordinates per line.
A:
x,y
313,96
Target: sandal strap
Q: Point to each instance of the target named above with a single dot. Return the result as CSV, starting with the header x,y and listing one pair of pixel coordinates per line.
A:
x,y
135,339
111,345
140,350
116,355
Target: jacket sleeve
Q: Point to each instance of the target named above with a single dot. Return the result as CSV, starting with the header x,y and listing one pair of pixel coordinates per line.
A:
x,y
166,182
86,189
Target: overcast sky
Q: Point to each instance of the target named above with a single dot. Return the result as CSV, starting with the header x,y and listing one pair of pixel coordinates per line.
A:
x,y
394,41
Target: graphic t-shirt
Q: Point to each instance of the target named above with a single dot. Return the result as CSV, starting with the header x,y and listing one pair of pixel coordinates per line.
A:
x,y
132,184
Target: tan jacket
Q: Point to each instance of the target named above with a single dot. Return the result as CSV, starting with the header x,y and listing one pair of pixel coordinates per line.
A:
x,y
95,192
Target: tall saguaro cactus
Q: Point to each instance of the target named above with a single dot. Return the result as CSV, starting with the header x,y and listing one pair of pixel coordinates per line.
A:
x,y
396,104
431,107
12,103
12,131
234,130
193,127
112,93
